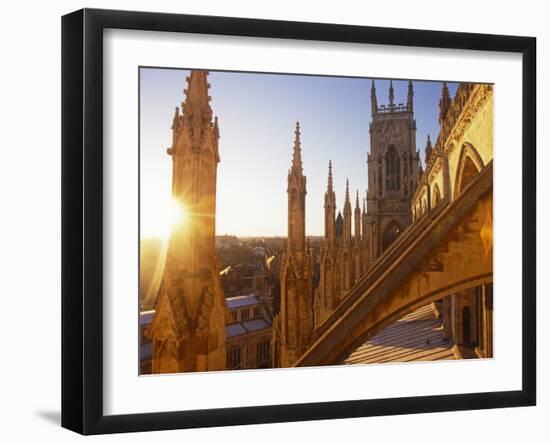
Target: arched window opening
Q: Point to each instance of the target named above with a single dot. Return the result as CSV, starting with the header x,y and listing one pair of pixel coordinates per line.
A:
x,y
391,233
393,170
437,195
468,173
469,165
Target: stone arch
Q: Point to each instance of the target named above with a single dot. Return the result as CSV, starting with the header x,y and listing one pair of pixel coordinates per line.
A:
x,y
392,231
469,165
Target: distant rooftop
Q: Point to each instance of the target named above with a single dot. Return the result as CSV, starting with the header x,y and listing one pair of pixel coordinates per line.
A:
x,y
242,328
146,317
235,329
240,301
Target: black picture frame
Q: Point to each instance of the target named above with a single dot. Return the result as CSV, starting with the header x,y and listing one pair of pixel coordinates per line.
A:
x,y
82,220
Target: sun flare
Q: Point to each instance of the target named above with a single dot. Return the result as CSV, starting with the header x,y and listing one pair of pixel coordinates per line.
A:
x,y
176,214
163,218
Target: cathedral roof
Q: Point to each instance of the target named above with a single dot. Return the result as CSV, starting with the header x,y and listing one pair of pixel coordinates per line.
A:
x,y
416,337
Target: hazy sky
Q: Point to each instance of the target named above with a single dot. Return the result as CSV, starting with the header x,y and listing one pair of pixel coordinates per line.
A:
x,y
257,116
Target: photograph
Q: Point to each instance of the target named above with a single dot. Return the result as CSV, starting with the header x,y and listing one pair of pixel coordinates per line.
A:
x,y
290,220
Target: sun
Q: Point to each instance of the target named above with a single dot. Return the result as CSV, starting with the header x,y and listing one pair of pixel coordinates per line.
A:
x,y
176,214
161,216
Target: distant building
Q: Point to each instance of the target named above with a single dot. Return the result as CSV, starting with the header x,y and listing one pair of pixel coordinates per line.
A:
x,y
145,343
393,171
248,332
246,278
227,241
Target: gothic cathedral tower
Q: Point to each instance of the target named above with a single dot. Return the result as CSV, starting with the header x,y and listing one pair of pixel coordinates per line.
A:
x,y
393,171
296,314
188,329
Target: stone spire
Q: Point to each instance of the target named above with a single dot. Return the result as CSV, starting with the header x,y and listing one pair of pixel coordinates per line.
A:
x,y
176,125
192,128
330,183
296,198
297,154
176,119
364,238
444,102
296,312
192,337
330,208
347,216
373,101
410,95
197,113
196,94
216,127
428,149
357,216
392,97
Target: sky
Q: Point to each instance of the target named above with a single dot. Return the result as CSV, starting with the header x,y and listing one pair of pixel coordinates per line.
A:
x,y
257,116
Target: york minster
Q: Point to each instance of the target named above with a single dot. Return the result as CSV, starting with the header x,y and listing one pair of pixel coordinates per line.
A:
x,y
299,220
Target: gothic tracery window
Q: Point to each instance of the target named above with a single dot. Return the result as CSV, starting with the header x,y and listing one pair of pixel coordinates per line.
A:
x,y
263,352
234,358
393,170
390,234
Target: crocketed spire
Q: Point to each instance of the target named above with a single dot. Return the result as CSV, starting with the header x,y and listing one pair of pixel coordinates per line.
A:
x,y
428,149
330,182
297,154
392,96
444,102
410,95
373,100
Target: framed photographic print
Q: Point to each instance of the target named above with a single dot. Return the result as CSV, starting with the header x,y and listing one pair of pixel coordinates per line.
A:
x,y
270,221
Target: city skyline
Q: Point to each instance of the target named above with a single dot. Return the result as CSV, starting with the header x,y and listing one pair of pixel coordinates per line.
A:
x,y
257,115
